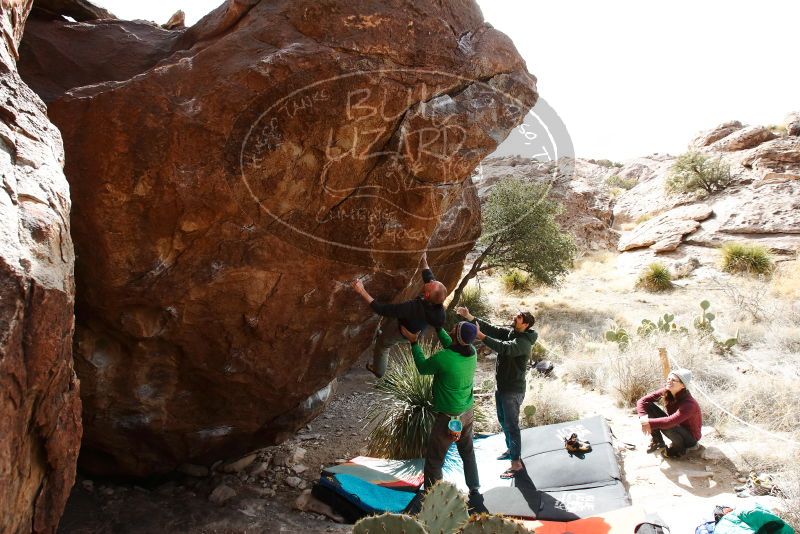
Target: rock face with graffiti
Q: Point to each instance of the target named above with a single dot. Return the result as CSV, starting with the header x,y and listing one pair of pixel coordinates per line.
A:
x,y
229,179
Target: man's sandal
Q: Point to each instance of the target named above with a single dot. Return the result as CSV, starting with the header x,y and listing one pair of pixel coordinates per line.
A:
x,y
510,473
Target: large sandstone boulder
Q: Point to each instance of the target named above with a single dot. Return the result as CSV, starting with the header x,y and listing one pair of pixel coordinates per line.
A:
x,y
743,139
665,232
40,427
779,155
715,134
230,179
793,124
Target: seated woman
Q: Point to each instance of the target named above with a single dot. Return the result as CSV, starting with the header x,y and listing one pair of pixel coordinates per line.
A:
x,y
682,421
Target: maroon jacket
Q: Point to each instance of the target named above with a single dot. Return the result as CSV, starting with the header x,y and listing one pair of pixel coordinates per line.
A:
x,y
683,410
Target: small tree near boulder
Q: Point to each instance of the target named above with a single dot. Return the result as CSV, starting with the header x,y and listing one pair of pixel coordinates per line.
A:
x,y
693,172
520,232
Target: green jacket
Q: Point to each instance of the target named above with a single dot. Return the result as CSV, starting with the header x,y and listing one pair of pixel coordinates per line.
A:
x,y
453,375
513,352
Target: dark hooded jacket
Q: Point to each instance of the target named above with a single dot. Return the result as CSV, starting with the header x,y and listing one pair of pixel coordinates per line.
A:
x,y
415,314
513,352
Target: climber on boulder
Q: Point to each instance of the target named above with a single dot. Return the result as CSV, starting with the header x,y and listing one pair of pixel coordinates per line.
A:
x,y
415,315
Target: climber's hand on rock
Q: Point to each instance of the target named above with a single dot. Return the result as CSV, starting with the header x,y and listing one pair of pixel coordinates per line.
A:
x,y
358,285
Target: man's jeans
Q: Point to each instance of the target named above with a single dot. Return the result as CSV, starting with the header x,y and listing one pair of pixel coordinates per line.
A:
x,y
438,443
388,337
508,405
680,437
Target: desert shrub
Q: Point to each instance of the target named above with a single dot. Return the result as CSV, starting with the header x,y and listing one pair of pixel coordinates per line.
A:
x,y
403,419
538,352
583,372
778,129
633,374
693,172
772,402
742,258
622,183
547,402
655,278
644,218
605,163
473,298
786,282
516,280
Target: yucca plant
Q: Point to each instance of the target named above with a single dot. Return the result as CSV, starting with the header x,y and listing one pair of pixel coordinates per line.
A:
x,y
748,259
402,421
655,278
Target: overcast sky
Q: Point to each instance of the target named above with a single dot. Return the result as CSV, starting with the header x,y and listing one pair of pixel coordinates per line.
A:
x,y
629,77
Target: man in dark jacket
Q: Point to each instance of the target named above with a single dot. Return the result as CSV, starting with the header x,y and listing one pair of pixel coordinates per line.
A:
x,y
415,315
513,346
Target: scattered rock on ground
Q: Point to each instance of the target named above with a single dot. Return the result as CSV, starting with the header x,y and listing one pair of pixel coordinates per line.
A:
x,y
258,469
240,465
308,503
222,494
683,268
294,482
282,459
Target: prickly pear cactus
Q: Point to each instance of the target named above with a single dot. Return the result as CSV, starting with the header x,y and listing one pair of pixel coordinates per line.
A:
x,y
389,524
493,524
444,509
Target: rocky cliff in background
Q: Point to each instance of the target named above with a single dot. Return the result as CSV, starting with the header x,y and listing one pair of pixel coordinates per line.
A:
x,y
40,428
625,206
230,179
578,184
761,205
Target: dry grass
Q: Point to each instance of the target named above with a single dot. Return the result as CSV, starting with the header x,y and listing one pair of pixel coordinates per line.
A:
x,y
515,281
786,280
551,402
586,373
770,402
789,482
